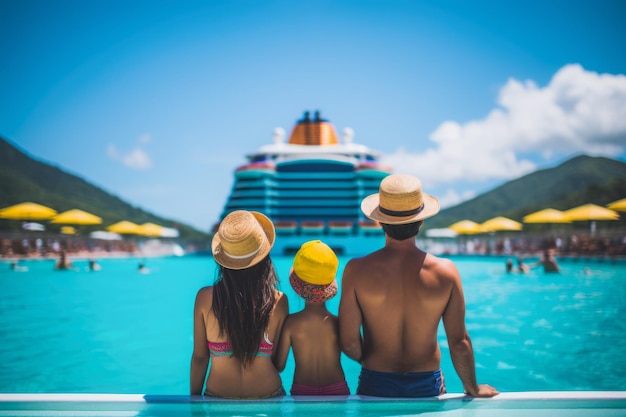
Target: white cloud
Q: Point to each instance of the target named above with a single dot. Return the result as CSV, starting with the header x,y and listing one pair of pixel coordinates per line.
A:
x,y
451,198
137,158
112,151
578,111
145,138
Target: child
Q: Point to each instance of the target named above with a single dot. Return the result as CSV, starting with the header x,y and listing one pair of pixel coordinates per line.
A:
x,y
313,333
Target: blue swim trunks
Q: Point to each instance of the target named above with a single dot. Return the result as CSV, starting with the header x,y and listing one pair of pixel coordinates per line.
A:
x,y
391,384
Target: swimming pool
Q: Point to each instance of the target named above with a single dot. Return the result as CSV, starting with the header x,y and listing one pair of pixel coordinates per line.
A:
x,y
120,332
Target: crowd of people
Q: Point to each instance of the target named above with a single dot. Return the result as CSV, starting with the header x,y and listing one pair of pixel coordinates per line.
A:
x,y
580,245
51,247
66,251
392,302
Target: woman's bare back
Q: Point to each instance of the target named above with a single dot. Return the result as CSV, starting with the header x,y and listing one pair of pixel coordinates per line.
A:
x,y
228,378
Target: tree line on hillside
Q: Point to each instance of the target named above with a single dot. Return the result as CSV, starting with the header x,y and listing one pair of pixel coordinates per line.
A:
x,y
23,178
580,180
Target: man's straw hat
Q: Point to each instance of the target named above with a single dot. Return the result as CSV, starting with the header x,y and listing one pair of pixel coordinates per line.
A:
x,y
243,239
313,274
400,201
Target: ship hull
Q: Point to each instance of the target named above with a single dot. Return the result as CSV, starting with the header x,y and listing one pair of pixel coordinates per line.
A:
x,y
351,245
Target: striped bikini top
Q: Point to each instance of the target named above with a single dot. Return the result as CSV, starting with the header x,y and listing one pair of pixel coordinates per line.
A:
x,y
217,349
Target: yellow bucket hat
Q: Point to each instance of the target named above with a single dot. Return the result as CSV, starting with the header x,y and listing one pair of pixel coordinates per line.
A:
x,y
316,263
313,274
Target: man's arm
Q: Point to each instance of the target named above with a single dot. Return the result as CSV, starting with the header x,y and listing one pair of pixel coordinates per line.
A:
x,y
460,344
350,318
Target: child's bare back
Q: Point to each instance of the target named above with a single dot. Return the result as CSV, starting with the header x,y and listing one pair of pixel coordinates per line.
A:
x,y
314,337
313,333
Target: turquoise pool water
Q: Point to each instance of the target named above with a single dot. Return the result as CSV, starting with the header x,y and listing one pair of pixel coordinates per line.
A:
x,y
118,331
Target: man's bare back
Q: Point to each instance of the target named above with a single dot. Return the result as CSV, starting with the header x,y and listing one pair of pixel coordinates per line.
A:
x,y
398,295
403,295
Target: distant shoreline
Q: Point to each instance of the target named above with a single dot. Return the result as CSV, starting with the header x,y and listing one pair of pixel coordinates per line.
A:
x,y
82,256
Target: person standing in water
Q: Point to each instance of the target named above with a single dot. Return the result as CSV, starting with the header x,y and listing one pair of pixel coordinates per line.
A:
x,y
63,264
549,263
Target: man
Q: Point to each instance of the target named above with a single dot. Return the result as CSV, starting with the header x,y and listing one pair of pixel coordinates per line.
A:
x,y
397,295
550,264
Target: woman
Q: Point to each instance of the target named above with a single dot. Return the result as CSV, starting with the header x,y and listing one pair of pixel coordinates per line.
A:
x,y
239,319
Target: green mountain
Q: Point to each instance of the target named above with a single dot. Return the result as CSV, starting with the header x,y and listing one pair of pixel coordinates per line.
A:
x,y
23,178
580,180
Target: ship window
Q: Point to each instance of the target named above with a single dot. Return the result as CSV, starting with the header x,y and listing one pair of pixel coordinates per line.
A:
x,y
315,167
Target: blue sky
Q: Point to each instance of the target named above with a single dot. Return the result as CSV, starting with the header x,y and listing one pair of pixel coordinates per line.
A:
x,y
158,102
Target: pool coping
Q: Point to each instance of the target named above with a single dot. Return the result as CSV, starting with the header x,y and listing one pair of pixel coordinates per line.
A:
x,y
148,398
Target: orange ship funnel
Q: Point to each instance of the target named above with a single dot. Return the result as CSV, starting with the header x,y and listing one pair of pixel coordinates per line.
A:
x,y
316,131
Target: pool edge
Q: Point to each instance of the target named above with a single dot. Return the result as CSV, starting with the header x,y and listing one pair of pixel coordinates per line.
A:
x,y
149,398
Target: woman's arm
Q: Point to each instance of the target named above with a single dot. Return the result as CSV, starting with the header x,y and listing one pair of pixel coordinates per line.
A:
x,y
281,311
281,350
200,357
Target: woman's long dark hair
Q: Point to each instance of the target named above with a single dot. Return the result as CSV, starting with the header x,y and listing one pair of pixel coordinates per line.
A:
x,y
242,303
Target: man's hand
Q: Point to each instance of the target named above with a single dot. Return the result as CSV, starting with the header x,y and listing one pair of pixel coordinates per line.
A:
x,y
484,391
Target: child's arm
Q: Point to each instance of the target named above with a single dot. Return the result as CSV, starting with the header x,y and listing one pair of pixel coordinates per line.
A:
x,y
281,350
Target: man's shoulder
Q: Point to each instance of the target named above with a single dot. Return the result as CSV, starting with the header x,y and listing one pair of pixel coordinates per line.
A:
x,y
367,257
441,266
361,261
438,260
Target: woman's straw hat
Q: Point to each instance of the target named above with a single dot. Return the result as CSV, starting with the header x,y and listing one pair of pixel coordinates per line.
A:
x,y
400,201
313,274
243,239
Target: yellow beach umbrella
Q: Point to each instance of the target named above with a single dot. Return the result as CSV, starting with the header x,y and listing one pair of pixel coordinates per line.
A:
x,y
548,215
151,229
76,216
500,224
591,212
125,228
68,230
619,205
27,211
466,227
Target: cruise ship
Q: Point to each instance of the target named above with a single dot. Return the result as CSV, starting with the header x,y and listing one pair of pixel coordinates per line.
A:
x,y
311,186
